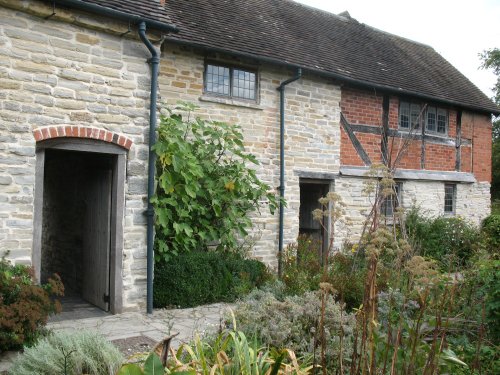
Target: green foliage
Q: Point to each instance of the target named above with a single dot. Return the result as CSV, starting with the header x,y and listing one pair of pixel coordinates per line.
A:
x,y
198,278
449,240
152,366
490,231
294,323
303,272
495,207
491,60
24,305
484,292
205,185
495,163
230,352
76,352
301,264
347,275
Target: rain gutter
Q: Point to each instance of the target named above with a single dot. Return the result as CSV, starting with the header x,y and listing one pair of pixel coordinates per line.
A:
x,y
281,89
154,60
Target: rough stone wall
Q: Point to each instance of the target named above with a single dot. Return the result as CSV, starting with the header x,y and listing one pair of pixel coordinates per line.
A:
x,y
472,202
52,73
357,208
312,139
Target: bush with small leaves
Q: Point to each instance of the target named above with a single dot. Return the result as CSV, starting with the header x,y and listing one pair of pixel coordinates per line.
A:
x,y
294,323
201,277
24,305
449,240
78,352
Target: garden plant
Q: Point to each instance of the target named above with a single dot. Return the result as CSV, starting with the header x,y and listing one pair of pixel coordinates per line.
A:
x,y
24,305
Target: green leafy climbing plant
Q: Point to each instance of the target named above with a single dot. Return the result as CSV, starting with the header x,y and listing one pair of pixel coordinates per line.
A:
x,y
206,186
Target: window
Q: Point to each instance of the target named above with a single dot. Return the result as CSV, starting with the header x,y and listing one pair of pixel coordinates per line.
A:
x,y
230,81
450,193
409,116
392,202
430,123
436,119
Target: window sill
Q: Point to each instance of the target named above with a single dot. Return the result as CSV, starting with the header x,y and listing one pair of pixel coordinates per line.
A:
x,y
230,101
427,133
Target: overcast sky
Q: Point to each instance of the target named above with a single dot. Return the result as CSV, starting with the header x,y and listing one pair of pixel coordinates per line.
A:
x,y
459,30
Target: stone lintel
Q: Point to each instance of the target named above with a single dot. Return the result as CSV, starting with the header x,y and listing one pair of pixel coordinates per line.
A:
x,y
316,175
414,174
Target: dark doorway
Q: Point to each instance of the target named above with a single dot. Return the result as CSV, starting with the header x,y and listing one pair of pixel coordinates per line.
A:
x,y
310,192
76,222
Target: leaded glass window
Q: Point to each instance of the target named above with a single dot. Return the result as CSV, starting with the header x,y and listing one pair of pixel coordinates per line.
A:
x,y
431,119
404,115
392,201
442,120
230,81
409,116
449,198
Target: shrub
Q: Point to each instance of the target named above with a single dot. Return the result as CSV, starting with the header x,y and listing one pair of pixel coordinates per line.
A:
x,y
206,187
24,305
294,323
301,265
199,278
449,240
78,352
490,229
347,274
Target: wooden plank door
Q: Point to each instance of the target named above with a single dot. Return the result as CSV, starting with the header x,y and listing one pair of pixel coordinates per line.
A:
x,y
96,238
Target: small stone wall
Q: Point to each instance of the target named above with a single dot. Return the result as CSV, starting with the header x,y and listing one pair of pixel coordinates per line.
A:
x,y
472,202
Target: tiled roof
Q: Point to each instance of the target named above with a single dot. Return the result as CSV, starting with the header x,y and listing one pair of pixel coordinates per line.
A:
x,y
286,32
149,9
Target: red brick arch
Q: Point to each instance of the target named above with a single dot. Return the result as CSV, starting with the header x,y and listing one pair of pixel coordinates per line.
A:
x,y
71,131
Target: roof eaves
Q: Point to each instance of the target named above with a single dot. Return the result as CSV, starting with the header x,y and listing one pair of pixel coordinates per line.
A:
x,y
117,14
343,78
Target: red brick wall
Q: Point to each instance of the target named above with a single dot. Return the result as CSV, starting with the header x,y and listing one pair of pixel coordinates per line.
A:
x,y
361,107
348,155
481,147
410,158
440,157
365,107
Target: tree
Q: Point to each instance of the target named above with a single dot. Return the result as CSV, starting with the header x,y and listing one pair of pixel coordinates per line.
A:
x,y
491,60
206,186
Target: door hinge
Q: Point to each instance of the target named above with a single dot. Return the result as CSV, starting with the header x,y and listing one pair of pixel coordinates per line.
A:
x,y
105,297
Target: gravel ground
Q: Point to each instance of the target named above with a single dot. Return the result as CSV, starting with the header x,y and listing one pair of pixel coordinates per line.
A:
x,y
134,345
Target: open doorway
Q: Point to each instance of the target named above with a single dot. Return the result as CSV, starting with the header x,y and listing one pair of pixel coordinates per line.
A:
x,y
78,221
310,192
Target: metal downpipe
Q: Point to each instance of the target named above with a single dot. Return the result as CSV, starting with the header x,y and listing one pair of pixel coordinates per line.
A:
x,y
154,60
281,89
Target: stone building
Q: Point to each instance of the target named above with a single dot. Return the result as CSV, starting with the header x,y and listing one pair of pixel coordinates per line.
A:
x,y
75,90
